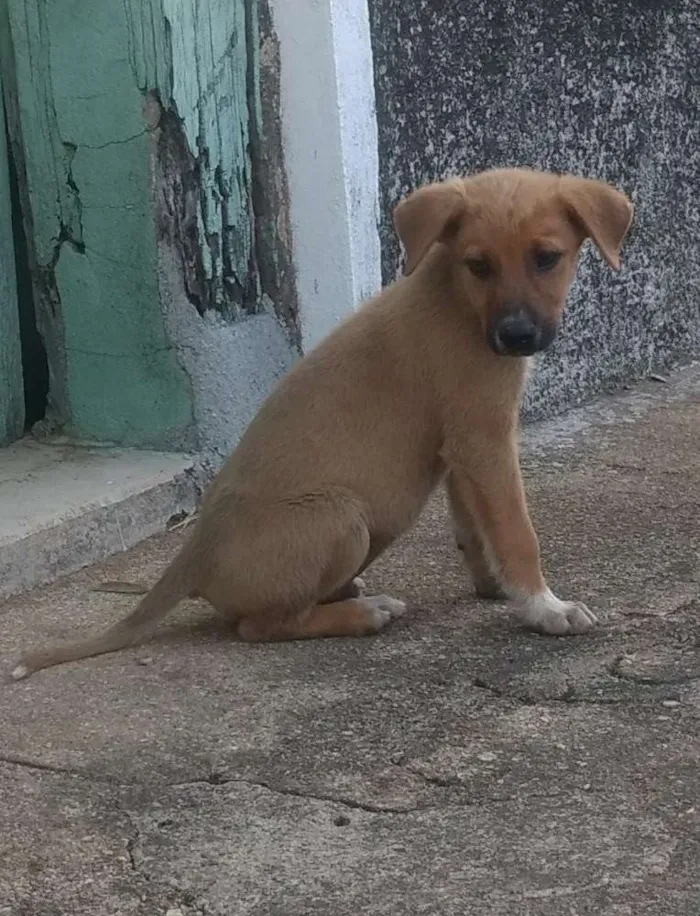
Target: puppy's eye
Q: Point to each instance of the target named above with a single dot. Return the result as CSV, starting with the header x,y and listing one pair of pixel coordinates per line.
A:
x,y
480,267
546,260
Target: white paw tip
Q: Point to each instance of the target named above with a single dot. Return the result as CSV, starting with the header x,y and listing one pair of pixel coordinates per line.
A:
x,y
20,672
392,606
385,609
545,613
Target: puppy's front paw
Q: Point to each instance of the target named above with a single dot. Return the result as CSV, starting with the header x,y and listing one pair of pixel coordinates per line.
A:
x,y
545,613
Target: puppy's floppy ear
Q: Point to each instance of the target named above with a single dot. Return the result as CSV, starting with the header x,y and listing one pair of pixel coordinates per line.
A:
x,y
428,215
603,213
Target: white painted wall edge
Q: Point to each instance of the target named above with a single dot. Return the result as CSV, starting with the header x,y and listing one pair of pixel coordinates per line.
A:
x,y
329,133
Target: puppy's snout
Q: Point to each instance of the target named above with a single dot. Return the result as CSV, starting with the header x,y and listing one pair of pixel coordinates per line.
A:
x,y
515,334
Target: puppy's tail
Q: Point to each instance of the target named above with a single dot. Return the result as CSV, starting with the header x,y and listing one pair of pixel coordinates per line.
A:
x,y
174,585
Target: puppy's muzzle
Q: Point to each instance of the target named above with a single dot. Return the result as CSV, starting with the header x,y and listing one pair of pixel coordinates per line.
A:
x,y
518,333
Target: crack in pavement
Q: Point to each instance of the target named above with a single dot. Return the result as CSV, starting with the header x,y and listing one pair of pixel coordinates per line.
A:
x,y
215,781
131,844
453,783
212,781
186,899
57,770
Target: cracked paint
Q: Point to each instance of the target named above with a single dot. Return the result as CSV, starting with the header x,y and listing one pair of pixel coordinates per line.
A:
x,y
143,141
208,90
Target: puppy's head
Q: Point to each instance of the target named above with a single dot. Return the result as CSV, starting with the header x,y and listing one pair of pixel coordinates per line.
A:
x,y
513,238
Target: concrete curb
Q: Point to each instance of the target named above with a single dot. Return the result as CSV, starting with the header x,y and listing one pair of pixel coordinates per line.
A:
x,y
127,497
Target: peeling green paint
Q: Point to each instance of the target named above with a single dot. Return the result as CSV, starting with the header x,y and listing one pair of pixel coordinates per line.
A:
x,y
11,386
98,89
210,87
197,56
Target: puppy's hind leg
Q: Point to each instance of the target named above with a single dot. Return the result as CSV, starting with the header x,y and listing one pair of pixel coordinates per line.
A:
x,y
352,617
338,607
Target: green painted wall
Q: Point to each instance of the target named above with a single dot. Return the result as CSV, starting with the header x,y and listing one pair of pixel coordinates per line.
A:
x,y
89,82
87,165
11,389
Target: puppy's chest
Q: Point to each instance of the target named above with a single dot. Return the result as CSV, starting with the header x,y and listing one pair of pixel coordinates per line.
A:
x,y
478,396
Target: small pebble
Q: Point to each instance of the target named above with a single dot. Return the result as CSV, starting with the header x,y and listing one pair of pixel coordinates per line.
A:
x,y
146,660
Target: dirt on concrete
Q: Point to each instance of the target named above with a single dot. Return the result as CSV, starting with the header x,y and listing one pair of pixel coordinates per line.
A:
x,y
454,765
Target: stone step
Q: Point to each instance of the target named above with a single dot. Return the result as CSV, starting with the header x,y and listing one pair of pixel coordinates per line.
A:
x,y
64,505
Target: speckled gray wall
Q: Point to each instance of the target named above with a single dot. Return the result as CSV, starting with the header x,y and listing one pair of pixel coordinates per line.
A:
x,y
602,88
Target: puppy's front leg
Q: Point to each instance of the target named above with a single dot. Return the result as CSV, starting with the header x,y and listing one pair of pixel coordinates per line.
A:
x,y
471,543
490,485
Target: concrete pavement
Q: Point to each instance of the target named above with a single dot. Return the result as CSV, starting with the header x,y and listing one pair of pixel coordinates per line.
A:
x,y
452,765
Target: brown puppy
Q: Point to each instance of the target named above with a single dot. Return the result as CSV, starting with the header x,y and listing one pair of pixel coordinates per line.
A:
x,y
421,384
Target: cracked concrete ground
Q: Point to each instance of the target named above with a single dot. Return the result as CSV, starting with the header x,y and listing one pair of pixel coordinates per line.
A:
x,y
452,765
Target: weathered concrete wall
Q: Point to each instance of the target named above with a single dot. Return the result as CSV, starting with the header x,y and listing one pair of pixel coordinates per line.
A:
x,y
11,388
604,89
138,159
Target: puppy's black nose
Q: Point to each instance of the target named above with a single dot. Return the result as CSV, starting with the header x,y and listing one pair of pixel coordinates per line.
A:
x,y
516,335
